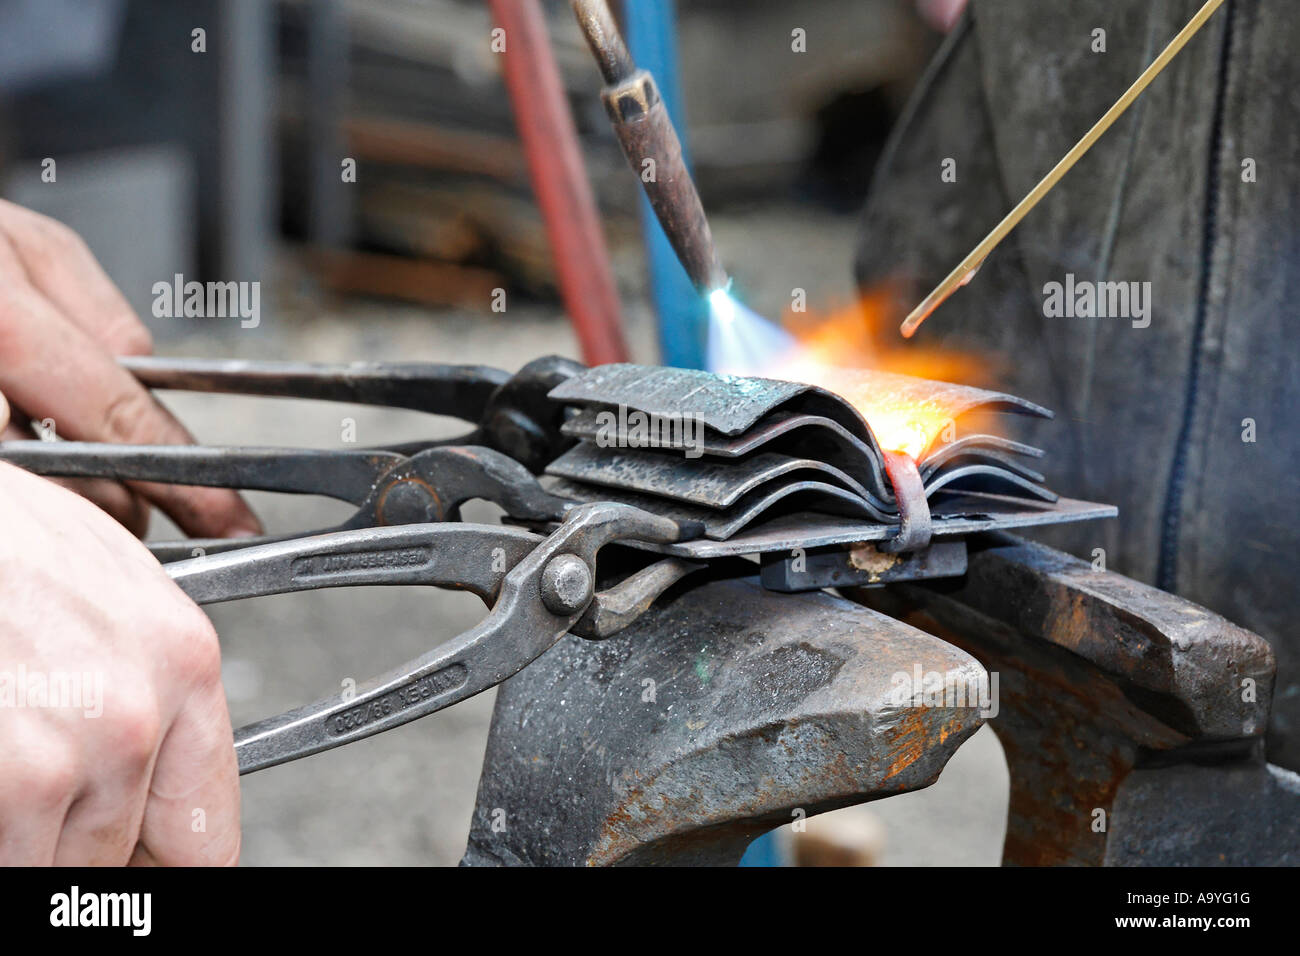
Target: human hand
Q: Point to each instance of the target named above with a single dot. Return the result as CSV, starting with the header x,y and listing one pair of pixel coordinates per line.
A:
x,y
62,323
129,755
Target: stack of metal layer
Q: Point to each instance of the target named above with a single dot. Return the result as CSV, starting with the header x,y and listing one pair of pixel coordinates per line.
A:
x,y
729,450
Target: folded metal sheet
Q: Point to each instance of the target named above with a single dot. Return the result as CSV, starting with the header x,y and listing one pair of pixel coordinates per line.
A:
x,y
732,404
799,435
721,524
712,483
731,450
952,516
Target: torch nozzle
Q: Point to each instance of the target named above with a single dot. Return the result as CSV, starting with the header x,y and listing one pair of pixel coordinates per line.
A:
x,y
650,142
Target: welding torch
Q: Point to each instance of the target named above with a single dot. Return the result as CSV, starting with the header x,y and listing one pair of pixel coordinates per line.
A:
x,y
649,140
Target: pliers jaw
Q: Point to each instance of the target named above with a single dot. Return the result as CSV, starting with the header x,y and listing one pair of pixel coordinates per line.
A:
x,y
543,589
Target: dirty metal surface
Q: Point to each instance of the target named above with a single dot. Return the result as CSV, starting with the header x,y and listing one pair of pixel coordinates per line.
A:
x,y
913,509
720,525
1100,677
990,478
729,404
976,456
803,436
732,404
1244,813
938,455
700,481
952,515
721,483
863,565
713,718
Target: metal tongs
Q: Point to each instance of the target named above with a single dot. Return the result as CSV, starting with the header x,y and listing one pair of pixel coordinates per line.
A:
x,y
516,435
388,488
540,588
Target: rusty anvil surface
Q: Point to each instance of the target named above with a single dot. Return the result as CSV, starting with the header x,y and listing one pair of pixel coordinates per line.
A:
x,y
1132,720
715,717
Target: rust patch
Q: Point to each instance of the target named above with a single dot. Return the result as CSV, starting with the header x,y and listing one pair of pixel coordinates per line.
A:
x,y
869,558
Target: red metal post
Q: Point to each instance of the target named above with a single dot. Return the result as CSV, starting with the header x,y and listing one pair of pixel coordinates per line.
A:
x,y
560,182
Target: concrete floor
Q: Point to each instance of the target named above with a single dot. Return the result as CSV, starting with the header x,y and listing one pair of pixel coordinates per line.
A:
x,y
405,796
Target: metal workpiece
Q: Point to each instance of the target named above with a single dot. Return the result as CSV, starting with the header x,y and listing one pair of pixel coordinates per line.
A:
x,y
991,446
731,450
728,404
699,481
698,476
798,496
539,599
860,565
1104,682
718,715
733,404
989,477
913,509
810,436
768,527
872,388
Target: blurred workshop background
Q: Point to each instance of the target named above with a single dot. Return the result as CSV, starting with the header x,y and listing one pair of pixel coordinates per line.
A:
x,y
359,159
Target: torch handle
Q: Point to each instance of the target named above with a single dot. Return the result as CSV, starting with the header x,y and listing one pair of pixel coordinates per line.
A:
x,y
650,142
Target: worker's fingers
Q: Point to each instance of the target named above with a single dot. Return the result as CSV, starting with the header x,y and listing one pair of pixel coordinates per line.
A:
x,y
101,830
4,414
60,266
102,826
38,779
128,508
38,346
192,815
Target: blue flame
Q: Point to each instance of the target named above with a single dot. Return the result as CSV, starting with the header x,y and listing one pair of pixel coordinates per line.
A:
x,y
742,342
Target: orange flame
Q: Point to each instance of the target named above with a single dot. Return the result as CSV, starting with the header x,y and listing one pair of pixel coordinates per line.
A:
x,y
864,335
